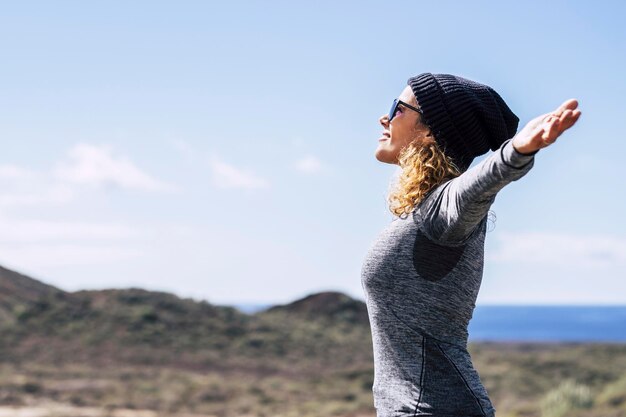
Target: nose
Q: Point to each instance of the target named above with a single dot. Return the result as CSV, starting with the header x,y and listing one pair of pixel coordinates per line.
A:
x,y
384,120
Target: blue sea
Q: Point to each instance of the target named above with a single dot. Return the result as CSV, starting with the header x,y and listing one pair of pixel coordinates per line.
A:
x,y
538,323
548,323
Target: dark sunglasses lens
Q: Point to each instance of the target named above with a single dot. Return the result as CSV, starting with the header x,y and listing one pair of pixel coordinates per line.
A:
x,y
392,112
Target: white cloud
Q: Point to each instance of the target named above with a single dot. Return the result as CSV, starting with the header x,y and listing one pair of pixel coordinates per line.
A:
x,y
39,243
309,165
38,195
562,250
22,187
229,176
44,244
96,165
13,172
85,164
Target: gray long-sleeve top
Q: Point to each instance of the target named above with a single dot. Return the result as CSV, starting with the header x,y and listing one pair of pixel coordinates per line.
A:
x,y
421,278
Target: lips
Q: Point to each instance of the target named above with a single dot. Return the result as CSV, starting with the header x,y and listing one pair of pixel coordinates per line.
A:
x,y
384,137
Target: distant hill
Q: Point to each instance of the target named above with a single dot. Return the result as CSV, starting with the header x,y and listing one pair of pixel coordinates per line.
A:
x,y
17,290
327,305
42,323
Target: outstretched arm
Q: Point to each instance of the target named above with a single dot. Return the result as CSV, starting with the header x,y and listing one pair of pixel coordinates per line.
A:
x,y
454,210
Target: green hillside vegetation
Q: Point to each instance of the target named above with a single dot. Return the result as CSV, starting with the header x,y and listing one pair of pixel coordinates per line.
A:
x,y
153,353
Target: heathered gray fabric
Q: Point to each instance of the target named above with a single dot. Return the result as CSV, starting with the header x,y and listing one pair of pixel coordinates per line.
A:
x,y
421,278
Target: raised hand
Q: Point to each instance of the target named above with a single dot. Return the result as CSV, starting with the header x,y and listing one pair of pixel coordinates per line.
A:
x,y
543,130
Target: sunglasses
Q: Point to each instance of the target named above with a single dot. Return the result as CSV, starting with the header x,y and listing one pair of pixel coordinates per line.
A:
x,y
394,107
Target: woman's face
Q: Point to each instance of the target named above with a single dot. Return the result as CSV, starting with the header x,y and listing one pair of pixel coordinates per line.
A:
x,y
405,128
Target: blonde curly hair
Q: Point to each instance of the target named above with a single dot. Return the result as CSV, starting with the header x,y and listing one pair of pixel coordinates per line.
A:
x,y
423,167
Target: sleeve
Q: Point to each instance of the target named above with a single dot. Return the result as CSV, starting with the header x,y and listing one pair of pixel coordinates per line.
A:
x,y
450,215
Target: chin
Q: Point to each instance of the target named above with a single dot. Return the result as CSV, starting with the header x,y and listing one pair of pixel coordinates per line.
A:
x,y
381,157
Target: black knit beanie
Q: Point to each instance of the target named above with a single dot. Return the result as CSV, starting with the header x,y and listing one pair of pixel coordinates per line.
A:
x,y
466,117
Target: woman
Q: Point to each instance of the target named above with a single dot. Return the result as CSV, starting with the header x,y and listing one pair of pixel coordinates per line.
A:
x,y
421,276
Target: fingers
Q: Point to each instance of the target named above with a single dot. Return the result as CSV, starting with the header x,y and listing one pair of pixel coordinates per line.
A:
x,y
568,118
567,114
545,129
570,104
551,131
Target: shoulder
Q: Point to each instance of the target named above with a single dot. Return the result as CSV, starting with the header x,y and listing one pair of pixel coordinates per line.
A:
x,y
431,199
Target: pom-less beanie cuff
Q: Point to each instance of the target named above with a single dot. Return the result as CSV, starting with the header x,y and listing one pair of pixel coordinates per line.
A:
x,y
429,97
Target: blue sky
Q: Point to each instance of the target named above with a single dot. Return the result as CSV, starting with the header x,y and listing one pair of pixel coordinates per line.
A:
x,y
225,151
